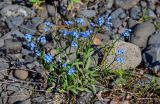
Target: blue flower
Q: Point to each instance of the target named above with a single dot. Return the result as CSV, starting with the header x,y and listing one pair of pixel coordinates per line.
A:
x,y
120,60
48,58
38,53
126,32
108,21
86,34
80,21
74,44
71,71
68,23
46,29
31,45
120,51
64,32
73,33
48,24
28,37
64,65
42,40
92,24
100,21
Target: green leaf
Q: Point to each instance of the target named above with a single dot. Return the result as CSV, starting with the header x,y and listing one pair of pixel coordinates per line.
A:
x,y
75,1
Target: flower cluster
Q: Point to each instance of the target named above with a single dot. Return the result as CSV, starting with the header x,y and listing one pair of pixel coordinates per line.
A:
x,y
126,32
120,59
48,26
41,40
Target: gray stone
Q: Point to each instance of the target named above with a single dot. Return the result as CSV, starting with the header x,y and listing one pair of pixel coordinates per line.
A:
x,y
14,87
21,74
30,66
131,22
151,54
88,13
12,44
132,56
118,13
1,42
29,58
126,4
116,23
51,10
3,74
16,10
14,22
11,34
158,11
39,99
135,12
27,29
25,102
85,98
151,13
105,101
143,4
18,96
37,20
25,51
43,13
141,32
3,65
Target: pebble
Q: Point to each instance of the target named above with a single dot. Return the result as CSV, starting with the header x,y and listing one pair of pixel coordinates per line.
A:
x,y
151,13
21,74
12,44
18,97
135,12
158,11
27,29
88,13
13,22
118,13
131,22
126,4
141,32
51,10
1,42
116,23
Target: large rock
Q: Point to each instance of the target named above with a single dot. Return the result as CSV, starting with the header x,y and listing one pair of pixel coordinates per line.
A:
x,y
132,56
126,4
141,32
151,54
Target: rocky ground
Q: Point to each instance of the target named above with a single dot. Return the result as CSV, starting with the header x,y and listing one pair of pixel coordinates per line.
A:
x,y
23,77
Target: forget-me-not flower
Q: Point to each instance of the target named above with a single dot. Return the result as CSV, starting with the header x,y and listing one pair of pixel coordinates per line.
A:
x,y
74,44
100,21
120,51
64,65
86,34
74,33
38,53
28,37
48,24
126,32
71,71
31,45
68,23
48,58
64,31
108,21
42,40
119,60
80,21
